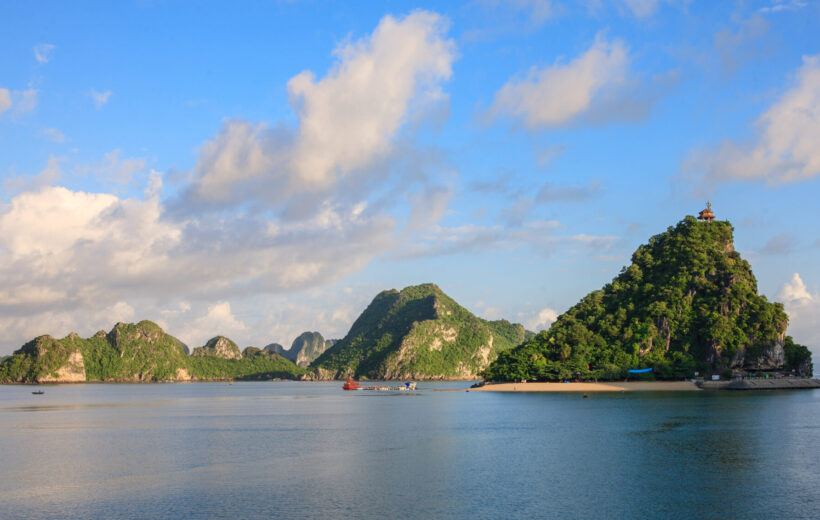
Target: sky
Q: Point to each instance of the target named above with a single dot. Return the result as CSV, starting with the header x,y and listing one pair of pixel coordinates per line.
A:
x,y
259,169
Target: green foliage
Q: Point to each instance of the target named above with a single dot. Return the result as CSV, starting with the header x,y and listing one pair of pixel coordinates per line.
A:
x,y
419,331
39,358
137,352
255,364
687,303
798,357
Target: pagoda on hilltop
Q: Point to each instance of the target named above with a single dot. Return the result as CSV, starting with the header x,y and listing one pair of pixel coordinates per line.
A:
x,y
706,214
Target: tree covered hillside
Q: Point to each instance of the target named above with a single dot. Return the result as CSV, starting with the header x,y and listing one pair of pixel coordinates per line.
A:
x,y
417,333
687,303
138,352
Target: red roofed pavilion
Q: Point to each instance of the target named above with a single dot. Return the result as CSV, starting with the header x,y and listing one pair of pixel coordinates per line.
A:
x,y
707,214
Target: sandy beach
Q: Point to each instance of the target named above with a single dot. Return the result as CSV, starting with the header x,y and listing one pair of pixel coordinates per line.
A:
x,y
629,386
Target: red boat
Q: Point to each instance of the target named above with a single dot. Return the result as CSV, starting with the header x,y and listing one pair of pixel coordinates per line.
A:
x,y
350,384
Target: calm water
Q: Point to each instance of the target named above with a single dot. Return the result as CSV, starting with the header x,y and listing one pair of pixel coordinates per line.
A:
x,y
310,450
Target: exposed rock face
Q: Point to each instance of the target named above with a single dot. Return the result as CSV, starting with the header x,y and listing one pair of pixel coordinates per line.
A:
x,y
418,333
220,347
72,372
307,347
276,348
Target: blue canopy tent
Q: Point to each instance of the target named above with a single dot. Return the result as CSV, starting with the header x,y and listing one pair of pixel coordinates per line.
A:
x,y
637,371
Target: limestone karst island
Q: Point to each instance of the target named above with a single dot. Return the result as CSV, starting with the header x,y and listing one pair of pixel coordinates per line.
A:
x,y
686,307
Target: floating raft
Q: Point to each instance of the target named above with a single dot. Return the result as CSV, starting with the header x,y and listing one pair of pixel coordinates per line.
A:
x,y
761,384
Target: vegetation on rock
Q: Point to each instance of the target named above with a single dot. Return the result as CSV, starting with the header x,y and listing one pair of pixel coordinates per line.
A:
x,y
418,333
688,303
137,352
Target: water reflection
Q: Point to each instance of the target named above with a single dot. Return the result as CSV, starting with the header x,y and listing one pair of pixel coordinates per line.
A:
x,y
300,450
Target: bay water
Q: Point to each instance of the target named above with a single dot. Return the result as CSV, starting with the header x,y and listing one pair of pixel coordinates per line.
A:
x,y
311,450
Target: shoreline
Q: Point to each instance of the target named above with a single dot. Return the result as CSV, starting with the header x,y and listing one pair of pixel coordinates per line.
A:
x,y
613,386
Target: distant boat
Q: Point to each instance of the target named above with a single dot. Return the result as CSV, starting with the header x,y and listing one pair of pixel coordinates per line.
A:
x,y
38,392
350,384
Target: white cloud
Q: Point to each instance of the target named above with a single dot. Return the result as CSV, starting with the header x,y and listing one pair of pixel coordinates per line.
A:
x,y
795,292
541,320
217,321
785,147
5,100
803,307
43,52
347,120
267,211
352,113
100,98
559,94
241,151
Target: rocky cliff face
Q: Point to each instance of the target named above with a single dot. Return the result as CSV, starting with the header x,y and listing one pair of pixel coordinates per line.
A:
x,y
47,360
220,347
307,347
417,333
276,348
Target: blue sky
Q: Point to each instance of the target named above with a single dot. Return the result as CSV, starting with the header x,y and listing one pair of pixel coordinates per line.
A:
x,y
265,168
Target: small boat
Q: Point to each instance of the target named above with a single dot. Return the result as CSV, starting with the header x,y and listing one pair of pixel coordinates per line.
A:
x,y
38,392
350,384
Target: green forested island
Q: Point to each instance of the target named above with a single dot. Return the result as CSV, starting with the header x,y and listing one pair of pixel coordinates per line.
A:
x,y
688,303
140,352
417,333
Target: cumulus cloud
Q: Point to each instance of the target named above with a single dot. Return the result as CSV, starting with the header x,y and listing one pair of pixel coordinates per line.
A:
x,y
217,321
62,251
100,98
347,120
785,146
352,113
43,52
560,94
803,307
795,292
541,320
268,210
